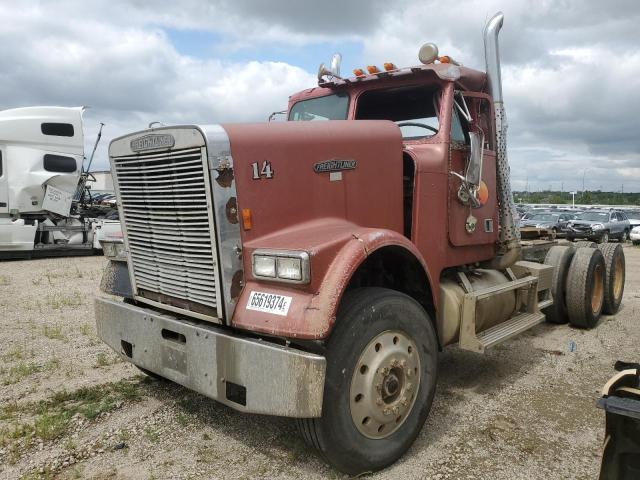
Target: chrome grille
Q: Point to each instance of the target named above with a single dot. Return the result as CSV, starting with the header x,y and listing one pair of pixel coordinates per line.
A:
x,y
164,199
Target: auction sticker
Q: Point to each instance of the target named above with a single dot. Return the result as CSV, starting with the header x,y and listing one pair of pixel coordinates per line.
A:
x,y
269,303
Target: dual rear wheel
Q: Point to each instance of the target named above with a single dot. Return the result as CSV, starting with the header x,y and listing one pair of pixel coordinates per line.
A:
x,y
587,281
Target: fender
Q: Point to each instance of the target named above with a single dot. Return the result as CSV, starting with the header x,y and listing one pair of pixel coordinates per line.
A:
x,y
336,249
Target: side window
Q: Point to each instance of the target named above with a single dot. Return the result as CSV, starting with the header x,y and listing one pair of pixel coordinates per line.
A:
x,y
458,132
59,163
481,119
621,216
57,129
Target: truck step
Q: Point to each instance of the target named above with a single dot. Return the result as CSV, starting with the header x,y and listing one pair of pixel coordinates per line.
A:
x,y
510,328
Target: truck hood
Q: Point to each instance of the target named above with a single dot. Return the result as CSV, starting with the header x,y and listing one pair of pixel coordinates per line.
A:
x,y
290,173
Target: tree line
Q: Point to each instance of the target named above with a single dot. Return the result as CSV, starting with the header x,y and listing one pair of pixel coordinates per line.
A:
x,y
596,197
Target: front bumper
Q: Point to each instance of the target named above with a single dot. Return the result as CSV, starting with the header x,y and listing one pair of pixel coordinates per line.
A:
x,y
249,375
588,234
635,236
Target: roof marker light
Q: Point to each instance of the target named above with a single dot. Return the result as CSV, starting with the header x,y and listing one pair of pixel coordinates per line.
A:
x,y
358,72
372,69
389,66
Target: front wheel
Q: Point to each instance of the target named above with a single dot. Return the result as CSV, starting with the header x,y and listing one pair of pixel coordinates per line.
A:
x,y
625,236
380,381
604,238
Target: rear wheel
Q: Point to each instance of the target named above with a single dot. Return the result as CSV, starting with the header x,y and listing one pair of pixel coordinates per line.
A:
x,y
614,276
625,236
560,257
380,381
604,238
585,287
586,243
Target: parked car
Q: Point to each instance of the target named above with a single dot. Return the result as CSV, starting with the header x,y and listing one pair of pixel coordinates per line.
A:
x,y
635,235
600,226
555,221
634,217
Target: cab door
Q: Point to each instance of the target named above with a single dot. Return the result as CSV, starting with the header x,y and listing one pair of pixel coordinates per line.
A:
x,y
4,184
472,225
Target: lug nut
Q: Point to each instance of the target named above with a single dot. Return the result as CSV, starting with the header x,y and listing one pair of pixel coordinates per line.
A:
x,y
379,401
387,411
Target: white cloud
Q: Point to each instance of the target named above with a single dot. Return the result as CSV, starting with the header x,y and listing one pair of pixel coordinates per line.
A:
x,y
571,69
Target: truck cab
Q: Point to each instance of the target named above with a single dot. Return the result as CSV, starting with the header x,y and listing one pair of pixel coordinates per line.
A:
x,y
314,268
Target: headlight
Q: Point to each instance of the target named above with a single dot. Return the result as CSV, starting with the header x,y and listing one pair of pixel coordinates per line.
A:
x,y
597,226
114,250
281,265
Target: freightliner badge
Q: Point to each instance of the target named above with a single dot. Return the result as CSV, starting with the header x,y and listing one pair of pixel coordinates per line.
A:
x,y
149,142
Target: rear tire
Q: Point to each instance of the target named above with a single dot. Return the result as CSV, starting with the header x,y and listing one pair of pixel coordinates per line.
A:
x,y
625,236
614,262
586,243
585,287
604,238
560,257
344,439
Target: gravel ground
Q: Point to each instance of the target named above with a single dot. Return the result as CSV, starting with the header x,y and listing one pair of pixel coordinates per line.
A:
x,y
70,409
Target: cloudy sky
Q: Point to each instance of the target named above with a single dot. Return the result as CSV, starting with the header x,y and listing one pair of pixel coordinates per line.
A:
x,y
571,68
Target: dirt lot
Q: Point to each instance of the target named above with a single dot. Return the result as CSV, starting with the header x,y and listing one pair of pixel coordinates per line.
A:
x,y
70,409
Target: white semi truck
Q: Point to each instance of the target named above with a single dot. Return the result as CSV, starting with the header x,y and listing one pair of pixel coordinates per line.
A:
x,y
45,203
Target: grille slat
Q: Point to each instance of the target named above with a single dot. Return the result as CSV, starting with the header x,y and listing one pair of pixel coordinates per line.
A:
x,y
167,219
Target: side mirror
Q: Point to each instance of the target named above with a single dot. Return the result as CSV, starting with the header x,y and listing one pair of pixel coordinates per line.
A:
x,y
473,175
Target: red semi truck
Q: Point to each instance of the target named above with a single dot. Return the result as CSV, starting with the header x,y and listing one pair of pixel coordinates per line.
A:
x,y
314,268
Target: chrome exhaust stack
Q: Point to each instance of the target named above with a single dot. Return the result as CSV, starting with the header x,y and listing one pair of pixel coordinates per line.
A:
x,y
509,233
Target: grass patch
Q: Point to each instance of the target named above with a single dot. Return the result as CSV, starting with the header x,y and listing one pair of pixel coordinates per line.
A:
x,y
152,434
16,353
18,372
54,332
104,360
50,418
59,301
4,281
85,329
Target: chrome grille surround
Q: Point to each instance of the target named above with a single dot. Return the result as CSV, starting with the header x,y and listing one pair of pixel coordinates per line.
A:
x,y
165,203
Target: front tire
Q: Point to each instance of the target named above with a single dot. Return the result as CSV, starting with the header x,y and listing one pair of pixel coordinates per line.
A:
x,y
380,381
604,238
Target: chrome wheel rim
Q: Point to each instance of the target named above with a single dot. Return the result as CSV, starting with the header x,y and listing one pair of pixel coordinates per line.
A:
x,y
384,384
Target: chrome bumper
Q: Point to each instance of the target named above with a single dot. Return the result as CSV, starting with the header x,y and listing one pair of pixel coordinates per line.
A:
x,y
246,374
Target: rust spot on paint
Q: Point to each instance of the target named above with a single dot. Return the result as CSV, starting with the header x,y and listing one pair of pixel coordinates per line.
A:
x,y
237,282
232,210
225,177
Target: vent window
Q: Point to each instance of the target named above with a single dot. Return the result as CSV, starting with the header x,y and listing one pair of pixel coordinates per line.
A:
x,y
59,163
57,129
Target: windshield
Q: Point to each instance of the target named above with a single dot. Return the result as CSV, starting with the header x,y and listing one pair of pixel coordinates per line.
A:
x,y
330,107
544,217
414,109
594,216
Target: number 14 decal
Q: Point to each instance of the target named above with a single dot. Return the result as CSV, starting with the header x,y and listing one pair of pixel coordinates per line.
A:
x,y
265,171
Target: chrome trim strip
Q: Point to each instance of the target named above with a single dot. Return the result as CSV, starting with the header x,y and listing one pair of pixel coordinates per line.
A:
x,y
228,233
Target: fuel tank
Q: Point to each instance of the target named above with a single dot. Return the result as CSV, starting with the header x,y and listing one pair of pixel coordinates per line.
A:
x,y
490,311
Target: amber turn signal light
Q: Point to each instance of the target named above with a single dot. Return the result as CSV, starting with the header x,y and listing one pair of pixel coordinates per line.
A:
x,y
246,218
